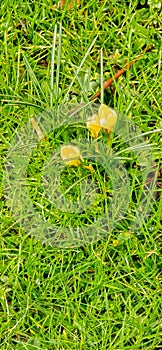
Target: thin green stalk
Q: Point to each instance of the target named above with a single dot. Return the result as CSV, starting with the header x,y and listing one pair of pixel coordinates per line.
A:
x,y
102,78
53,65
78,70
58,62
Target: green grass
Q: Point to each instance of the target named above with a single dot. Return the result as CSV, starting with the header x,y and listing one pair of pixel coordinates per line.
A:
x,y
107,293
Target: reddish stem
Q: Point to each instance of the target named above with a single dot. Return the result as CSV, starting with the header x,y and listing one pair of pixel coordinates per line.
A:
x,y
119,73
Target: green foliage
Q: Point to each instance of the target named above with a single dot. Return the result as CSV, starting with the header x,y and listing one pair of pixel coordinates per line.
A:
x,y
106,295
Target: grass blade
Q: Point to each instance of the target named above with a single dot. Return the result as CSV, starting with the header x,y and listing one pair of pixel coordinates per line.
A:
x,y
79,68
58,63
53,66
34,80
102,79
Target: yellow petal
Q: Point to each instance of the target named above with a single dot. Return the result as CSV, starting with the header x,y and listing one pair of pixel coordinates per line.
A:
x,y
70,154
93,125
108,117
89,167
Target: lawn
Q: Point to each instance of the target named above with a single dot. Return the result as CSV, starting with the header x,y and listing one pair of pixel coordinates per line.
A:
x,y
80,245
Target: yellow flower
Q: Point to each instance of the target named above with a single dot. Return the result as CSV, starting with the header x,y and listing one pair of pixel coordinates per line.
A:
x,y
93,125
107,117
71,155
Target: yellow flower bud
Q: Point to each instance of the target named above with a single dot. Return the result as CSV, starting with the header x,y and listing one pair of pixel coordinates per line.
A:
x,y
71,155
93,125
108,117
